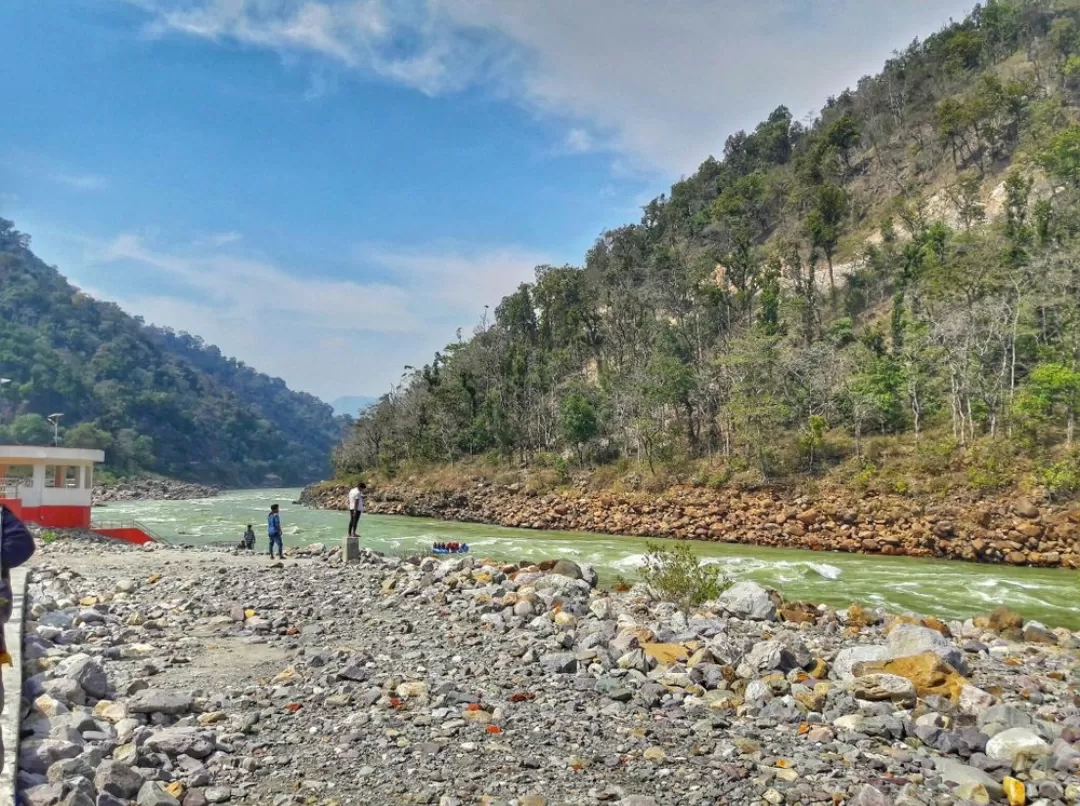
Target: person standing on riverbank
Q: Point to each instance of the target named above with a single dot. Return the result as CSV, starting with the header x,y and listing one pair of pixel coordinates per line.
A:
x,y
273,531
356,507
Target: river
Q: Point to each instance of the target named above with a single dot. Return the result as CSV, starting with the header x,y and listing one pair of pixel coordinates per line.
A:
x,y
946,589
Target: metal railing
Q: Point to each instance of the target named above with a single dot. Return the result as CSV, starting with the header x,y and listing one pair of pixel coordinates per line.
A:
x,y
129,524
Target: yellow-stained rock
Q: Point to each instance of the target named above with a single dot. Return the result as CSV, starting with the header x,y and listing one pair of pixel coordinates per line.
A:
x,y
820,670
929,673
176,789
284,676
655,754
1015,792
88,601
666,654
931,623
564,619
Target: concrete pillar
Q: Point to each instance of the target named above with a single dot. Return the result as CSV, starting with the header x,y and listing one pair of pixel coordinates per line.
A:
x,y
351,549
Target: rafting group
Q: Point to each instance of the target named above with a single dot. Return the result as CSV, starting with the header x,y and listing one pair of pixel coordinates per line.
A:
x,y
450,548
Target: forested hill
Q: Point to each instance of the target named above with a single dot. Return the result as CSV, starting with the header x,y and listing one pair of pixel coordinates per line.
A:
x,y
892,286
155,400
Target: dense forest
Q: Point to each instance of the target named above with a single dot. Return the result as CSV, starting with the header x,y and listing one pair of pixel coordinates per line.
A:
x,y
889,296
154,400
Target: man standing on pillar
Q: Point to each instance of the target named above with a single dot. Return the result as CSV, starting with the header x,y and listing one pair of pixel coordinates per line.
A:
x,y
356,507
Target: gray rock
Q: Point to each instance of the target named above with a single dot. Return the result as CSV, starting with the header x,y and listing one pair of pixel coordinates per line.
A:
x,y
869,796
906,640
767,656
848,657
38,756
88,673
559,662
748,600
218,794
1006,716
884,687
118,779
181,741
960,774
152,700
43,795
567,568
153,793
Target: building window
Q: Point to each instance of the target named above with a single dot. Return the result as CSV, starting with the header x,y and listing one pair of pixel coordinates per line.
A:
x,y
88,478
22,475
51,476
71,478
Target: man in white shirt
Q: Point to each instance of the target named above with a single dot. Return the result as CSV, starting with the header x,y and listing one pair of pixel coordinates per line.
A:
x,y
356,507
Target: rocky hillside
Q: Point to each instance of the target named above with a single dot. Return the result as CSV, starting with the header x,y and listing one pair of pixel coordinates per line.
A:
x,y
173,677
1013,531
896,279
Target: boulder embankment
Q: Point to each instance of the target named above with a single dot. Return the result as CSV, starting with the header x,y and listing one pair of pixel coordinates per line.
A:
x,y
1014,531
186,677
151,489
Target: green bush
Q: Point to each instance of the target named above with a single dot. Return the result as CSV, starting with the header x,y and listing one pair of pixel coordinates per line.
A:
x,y
676,574
1061,479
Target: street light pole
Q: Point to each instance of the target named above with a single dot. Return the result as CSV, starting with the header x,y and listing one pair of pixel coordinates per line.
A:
x,y
55,420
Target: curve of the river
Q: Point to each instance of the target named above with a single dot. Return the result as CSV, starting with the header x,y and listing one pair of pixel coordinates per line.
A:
x,y
933,587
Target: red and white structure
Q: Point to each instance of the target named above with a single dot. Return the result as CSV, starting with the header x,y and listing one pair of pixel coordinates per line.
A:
x,y
48,486
53,487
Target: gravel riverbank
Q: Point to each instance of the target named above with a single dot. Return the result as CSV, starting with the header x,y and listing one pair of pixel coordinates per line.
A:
x,y
173,676
152,490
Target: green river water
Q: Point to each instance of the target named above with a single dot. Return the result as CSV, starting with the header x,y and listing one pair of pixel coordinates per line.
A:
x,y
930,587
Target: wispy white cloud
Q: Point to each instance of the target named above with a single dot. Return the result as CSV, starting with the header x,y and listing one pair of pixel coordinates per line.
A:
x,y
78,181
670,80
218,239
326,335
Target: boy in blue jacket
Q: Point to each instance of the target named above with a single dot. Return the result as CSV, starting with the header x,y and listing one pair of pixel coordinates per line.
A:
x,y
273,531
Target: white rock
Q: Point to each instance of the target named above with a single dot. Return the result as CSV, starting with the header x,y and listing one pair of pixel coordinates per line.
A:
x,y
1010,744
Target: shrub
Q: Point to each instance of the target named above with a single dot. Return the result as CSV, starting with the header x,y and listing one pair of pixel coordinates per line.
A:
x,y
1061,479
678,575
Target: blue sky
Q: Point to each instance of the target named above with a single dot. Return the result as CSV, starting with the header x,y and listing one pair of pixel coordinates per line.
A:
x,y
328,189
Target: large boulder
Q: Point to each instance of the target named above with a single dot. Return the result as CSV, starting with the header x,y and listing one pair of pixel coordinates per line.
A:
x,y
1012,744
907,640
87,672
748,600
118,779
884,687
843,666
567,568
152,700
928,672
181,742
960,775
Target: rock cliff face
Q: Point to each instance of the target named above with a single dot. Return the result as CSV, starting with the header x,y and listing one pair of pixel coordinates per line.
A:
x,y
1017,531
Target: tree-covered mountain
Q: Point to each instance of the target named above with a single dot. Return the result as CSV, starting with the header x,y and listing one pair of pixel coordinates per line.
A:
x,y
896,285
155,400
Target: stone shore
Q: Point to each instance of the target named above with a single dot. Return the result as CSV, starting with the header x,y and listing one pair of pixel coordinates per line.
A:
x,y
1016,531
152,490
164,676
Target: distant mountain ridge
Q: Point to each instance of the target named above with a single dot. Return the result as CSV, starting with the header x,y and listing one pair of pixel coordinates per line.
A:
x,y
154,399
352,405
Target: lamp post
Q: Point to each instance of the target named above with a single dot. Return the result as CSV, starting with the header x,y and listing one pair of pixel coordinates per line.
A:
x,y
3,382
55,420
